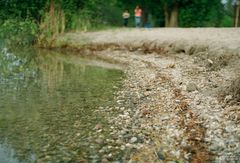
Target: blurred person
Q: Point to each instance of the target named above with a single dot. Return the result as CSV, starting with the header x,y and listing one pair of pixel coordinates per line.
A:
x,y
138,15
125,16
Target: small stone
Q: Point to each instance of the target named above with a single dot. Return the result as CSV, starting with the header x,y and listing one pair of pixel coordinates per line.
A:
x,y
122,147
191,87
146,93
177,101
145,112
122,108
123,132
160,156
128,145
105,160
187,156
133,140
164,118
98,126
119,141
99,141
210,62
126,113
110,155
228,98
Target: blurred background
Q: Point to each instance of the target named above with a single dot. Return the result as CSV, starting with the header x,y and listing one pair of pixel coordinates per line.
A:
x,y
39,20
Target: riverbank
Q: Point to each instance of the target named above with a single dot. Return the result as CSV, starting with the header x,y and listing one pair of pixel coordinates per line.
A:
x,y
179,100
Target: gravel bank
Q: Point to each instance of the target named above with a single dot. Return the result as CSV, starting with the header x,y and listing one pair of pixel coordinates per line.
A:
x,y
175,104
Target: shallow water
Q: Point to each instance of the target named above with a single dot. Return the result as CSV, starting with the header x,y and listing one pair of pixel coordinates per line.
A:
x,y
48,105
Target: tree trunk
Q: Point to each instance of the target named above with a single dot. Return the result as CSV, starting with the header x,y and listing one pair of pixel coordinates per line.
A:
x,y
171,15
237,15
166,13
173,22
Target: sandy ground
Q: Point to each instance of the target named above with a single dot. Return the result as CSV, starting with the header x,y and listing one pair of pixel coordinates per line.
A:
x,y
178,102
212,37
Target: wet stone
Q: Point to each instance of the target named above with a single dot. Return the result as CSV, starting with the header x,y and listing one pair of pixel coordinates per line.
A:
x,y
160,156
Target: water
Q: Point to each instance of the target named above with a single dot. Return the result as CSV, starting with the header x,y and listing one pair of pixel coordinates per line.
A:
x,y
48,105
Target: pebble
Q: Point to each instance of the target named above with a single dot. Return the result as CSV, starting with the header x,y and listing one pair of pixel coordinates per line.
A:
x,y
110,155
210,61
153,96
105,160
191,87
122,108
99,141
122,147
133,140
98,127
128,145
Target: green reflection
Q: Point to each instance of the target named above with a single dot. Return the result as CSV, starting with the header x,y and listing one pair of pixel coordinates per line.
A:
x,y
48,102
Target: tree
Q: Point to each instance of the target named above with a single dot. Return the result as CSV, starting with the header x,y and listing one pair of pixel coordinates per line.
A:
x,y
192,12
78,13
201,13
182,12
171,11
21,9
237,13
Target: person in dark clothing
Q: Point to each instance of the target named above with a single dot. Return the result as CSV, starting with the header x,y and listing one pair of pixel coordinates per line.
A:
x,y
125,16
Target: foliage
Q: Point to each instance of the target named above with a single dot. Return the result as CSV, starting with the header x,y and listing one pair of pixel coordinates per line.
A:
x,y
227,21
76,15
18,32
228,17
21,9
94,13
86,14
201,14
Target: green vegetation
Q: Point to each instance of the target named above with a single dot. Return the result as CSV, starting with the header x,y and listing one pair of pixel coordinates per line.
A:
x,y
24,22
18,32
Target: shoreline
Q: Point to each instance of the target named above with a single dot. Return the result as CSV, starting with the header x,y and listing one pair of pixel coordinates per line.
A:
x,y
174,110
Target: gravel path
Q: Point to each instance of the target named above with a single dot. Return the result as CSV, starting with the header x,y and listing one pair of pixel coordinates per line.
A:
x,y
175,104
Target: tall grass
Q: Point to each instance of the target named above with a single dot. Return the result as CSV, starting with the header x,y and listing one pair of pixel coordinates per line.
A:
x,y
52,24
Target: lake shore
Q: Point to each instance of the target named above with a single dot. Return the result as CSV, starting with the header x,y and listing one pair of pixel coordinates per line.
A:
x,y
179,101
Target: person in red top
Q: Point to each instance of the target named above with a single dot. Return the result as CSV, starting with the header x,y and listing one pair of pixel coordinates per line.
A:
x,y
138,15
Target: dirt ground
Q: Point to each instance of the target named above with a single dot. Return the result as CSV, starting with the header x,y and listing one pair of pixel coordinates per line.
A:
x,y
180,101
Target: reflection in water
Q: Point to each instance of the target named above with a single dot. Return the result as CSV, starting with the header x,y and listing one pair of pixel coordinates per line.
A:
x,y
7,155
47,105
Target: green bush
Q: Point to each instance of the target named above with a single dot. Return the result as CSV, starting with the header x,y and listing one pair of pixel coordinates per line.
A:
x,y
18,32
227,21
